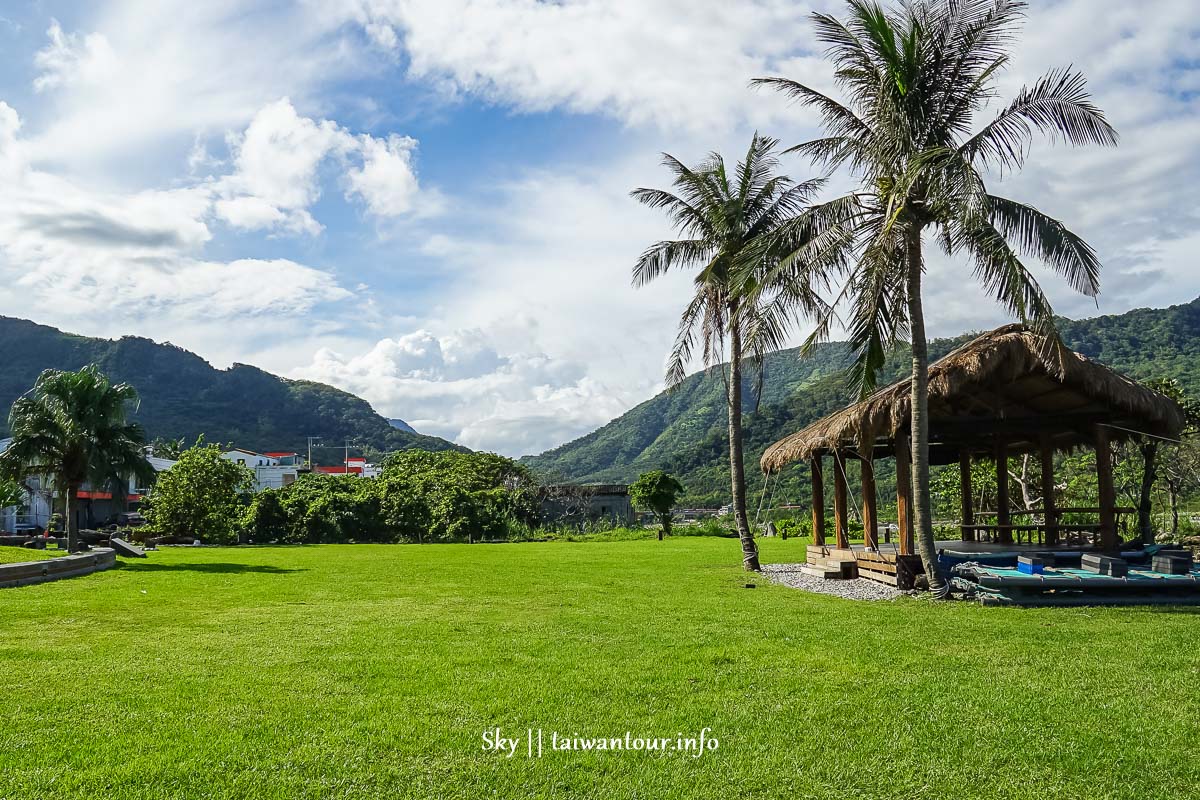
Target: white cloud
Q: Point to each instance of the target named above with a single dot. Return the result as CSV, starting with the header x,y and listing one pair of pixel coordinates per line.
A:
x,y
276,171
680,64
460,387
386,180
74,252
71,59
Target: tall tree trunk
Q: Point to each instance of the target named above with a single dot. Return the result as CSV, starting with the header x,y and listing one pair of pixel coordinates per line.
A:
x,y
1149,475
737,469
666,525
72,523
922,515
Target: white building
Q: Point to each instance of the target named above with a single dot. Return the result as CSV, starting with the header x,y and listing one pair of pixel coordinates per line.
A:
x,y
271,470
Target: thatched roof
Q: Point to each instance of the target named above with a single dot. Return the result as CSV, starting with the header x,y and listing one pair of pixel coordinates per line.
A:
x,y
996,386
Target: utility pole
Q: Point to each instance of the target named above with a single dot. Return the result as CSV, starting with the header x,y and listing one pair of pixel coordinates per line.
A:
x,y
346,460
311,439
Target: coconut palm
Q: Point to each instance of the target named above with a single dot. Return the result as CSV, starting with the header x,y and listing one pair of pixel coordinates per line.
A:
x,y
725,219
916,76
72,428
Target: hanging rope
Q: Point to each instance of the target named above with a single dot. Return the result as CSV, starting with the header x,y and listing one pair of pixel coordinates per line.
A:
x,y
762,495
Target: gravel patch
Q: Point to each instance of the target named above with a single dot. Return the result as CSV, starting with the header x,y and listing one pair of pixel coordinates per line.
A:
x,y
857,589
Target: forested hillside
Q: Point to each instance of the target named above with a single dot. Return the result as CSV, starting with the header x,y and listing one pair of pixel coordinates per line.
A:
x,y
182,395
684,431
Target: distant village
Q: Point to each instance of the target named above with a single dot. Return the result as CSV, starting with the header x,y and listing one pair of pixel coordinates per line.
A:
x,y
271,471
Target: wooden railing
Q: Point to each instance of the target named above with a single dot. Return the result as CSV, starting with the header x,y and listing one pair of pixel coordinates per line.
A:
x,y
1036,532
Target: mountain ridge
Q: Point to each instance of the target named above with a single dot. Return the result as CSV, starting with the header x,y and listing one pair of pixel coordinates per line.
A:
x,y
183,395
683,430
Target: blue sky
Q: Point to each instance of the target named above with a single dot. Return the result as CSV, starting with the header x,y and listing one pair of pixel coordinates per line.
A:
x,y
426,201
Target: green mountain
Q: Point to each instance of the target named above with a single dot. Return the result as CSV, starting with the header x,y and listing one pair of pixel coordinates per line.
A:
x,y
684,431
182,395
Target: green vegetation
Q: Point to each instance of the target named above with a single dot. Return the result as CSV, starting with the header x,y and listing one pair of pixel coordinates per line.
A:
x,y
182,395
658,492
372,671
202,496
18,555
420,497
72,428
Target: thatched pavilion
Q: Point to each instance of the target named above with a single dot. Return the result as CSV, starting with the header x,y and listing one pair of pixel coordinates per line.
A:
x,y
992,398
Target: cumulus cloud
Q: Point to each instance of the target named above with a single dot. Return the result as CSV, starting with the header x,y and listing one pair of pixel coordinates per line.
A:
x,y
460,386
276,163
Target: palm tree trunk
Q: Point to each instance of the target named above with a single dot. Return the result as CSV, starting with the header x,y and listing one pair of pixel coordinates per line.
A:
x,y
922,516
72,523
737,469
1145,505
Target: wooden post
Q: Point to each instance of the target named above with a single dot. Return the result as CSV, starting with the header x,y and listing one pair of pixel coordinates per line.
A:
x,y
1048,505
1108,494
870,510
904,495
840,521
1003,508
966,496
818,501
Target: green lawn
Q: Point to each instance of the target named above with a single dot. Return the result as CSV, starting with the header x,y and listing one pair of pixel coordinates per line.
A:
x,y
16,555
372,672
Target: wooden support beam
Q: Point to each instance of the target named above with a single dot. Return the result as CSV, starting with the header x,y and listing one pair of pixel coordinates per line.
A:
x,y
1048,505
904,495
870,511
818,501
841,522
966,495
1003,505
1108,494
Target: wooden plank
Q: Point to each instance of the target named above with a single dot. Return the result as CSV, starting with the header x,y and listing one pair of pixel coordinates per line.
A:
x,y
841,523
818,500
870,506
1003,505
966,497
879,577
904,494
1049,511
1108,494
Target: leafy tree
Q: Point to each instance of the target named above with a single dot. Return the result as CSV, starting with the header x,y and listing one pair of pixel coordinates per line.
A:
x,y
73,428
727,221
658,492
915,77
167,448
265,519
12,493
202,496
463,495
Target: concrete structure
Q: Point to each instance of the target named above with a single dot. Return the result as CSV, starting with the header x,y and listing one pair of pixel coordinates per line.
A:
x,y
579,504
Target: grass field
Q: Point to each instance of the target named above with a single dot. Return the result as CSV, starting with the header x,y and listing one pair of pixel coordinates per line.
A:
x,y
15,555
373,671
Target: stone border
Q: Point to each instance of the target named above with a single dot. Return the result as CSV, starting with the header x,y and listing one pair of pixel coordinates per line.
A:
x,y
53,569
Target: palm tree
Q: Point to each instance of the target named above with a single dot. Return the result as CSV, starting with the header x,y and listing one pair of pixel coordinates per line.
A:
x,y
915,78
72,428
724,220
